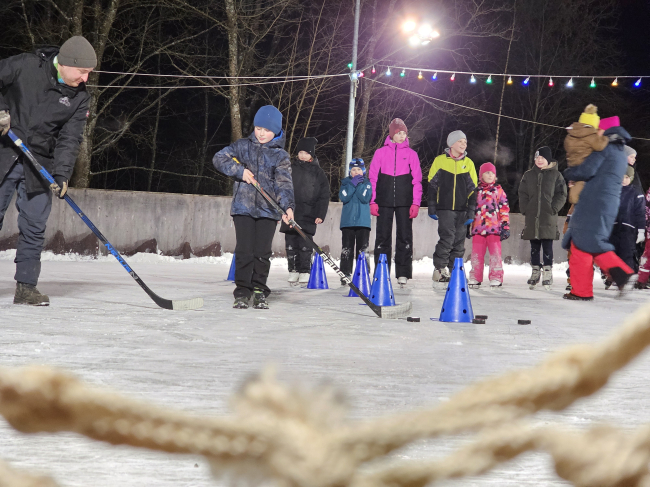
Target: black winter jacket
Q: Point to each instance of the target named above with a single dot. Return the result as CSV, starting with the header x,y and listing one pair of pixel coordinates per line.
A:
x,y
631,211
311,193
542,194
48,116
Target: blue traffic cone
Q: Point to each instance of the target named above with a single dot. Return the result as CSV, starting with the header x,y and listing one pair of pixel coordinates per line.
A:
x,y
457,306
231,273
361,276
317,278
381,293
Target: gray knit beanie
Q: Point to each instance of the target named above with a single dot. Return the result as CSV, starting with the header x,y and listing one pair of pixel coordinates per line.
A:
x,y
454,137
629,151
77,52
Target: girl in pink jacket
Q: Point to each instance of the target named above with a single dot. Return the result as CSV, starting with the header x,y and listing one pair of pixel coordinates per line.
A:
x,y
491,226
396,179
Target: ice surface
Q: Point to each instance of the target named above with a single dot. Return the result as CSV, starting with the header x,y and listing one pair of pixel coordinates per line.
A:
x,y
102,327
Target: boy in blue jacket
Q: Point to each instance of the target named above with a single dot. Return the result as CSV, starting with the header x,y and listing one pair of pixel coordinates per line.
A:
x,y
355,193
259,156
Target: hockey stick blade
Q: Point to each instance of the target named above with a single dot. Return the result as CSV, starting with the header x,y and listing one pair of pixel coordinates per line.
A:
x,y
393,312
191,304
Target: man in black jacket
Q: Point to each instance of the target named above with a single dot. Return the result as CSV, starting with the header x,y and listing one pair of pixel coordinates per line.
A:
x,y
43,99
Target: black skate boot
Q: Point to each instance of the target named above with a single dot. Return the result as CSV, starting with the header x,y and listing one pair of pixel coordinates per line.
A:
x,y
259,300
571,296
535,277
29,295
241,303
624,281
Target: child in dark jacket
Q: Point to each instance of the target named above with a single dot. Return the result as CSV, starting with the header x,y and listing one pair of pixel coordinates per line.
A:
x,y
644,262
260,156
355,193
311,191
629,228
491,226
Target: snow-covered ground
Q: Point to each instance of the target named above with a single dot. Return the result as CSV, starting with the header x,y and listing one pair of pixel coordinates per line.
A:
x,y
102,327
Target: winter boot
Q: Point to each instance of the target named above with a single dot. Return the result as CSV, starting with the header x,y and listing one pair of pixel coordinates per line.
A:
x,y
535,276
474,284
571,296
259,300
401,281
608,284
303,278
29,295
641,286
495,284
624,281
547,277
241,303
293,278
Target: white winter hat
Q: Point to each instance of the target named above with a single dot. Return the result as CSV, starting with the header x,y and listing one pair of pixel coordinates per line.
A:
x,y
629,151
454,137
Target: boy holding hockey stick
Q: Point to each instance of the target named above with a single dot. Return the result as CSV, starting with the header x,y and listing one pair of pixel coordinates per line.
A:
x,y
259,157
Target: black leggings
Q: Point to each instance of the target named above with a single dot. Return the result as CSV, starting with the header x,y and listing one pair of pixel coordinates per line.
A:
x,y
536,245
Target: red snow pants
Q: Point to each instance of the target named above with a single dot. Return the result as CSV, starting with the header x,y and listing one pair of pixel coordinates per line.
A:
x,y
493,244
581,265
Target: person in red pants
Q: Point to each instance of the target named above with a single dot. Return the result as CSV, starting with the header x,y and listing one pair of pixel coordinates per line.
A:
x,y
595,214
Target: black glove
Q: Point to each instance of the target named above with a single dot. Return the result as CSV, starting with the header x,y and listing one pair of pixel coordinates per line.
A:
x,y
505,233
5,122
62,183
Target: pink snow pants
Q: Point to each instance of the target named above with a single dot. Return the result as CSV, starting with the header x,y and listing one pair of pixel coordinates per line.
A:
x,y
493,245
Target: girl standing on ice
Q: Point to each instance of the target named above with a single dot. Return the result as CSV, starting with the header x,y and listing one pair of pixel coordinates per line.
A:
x,y
260,156
491,226
542,193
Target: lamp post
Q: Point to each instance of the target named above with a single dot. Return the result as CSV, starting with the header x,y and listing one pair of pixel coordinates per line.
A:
x,y
354,82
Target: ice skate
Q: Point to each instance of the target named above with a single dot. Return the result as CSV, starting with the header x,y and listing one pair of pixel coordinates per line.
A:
x,y
474,284
303,278
535,277
293,278
495,284
547,277
624,281
401,281
259,300
440,277
241,303
608,284
571,296
29,295
641,286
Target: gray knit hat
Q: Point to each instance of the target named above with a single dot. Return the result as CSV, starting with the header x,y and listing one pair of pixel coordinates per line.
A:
x,y
629,151
78,53
454,137
630,172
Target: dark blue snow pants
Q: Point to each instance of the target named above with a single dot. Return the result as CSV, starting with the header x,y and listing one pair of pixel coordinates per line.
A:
x,y
33,212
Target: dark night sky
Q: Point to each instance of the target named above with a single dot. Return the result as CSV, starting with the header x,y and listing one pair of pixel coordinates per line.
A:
x,y
634,40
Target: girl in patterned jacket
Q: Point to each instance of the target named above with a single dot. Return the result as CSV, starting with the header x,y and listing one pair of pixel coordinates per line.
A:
x,y
491,226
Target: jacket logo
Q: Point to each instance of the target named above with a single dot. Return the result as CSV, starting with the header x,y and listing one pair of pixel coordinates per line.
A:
x,y
64,101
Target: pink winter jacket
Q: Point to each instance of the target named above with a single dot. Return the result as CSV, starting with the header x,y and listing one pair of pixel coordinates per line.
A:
x,y
395,175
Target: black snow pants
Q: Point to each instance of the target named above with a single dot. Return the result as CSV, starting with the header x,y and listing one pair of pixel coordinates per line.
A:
x,y
252,254
623,239
403,239
299,252
451,238
352,235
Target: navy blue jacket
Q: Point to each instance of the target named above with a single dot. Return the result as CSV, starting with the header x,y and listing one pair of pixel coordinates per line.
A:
x,y
631,211
356,203
595,213
271,166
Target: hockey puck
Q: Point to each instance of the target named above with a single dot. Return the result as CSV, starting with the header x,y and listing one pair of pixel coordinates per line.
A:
x,y
478,321
412,319
482,317
523,322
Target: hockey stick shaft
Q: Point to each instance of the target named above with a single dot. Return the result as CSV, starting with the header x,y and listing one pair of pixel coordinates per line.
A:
x,y
161,302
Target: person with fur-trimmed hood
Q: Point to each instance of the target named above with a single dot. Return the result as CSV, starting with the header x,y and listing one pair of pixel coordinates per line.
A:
x,y
452,201
542,194
396,178
311,191
259,157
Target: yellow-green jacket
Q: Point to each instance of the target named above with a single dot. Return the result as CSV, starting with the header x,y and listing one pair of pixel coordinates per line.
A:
x,y
452,184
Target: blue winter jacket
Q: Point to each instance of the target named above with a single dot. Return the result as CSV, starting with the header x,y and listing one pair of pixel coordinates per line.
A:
x,y
356,203
271,166
595,213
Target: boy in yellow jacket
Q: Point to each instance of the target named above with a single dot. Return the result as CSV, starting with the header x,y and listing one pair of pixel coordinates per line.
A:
x,y
452,202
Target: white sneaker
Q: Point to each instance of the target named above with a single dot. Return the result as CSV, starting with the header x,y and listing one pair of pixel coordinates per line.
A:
x,y
293,277
303,278
402,280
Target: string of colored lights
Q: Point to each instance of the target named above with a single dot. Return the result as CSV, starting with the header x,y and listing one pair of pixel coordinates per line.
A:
x,y
477,109
473,76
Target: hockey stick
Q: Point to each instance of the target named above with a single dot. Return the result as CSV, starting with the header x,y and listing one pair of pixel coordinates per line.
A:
x,y
161,302
393,312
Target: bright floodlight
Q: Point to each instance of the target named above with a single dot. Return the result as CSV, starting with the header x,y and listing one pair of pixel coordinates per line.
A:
x,y
435,34
425,30
409,26
414,41
426,41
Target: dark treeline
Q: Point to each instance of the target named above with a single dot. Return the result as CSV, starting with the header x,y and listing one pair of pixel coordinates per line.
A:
x,y
160,133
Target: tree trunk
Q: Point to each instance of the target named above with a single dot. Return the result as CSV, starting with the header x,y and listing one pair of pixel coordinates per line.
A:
x,y
233,70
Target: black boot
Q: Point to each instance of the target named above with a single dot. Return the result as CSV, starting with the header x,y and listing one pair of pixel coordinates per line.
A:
x,y
29,295
241,303
571,296
259,300
624,281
